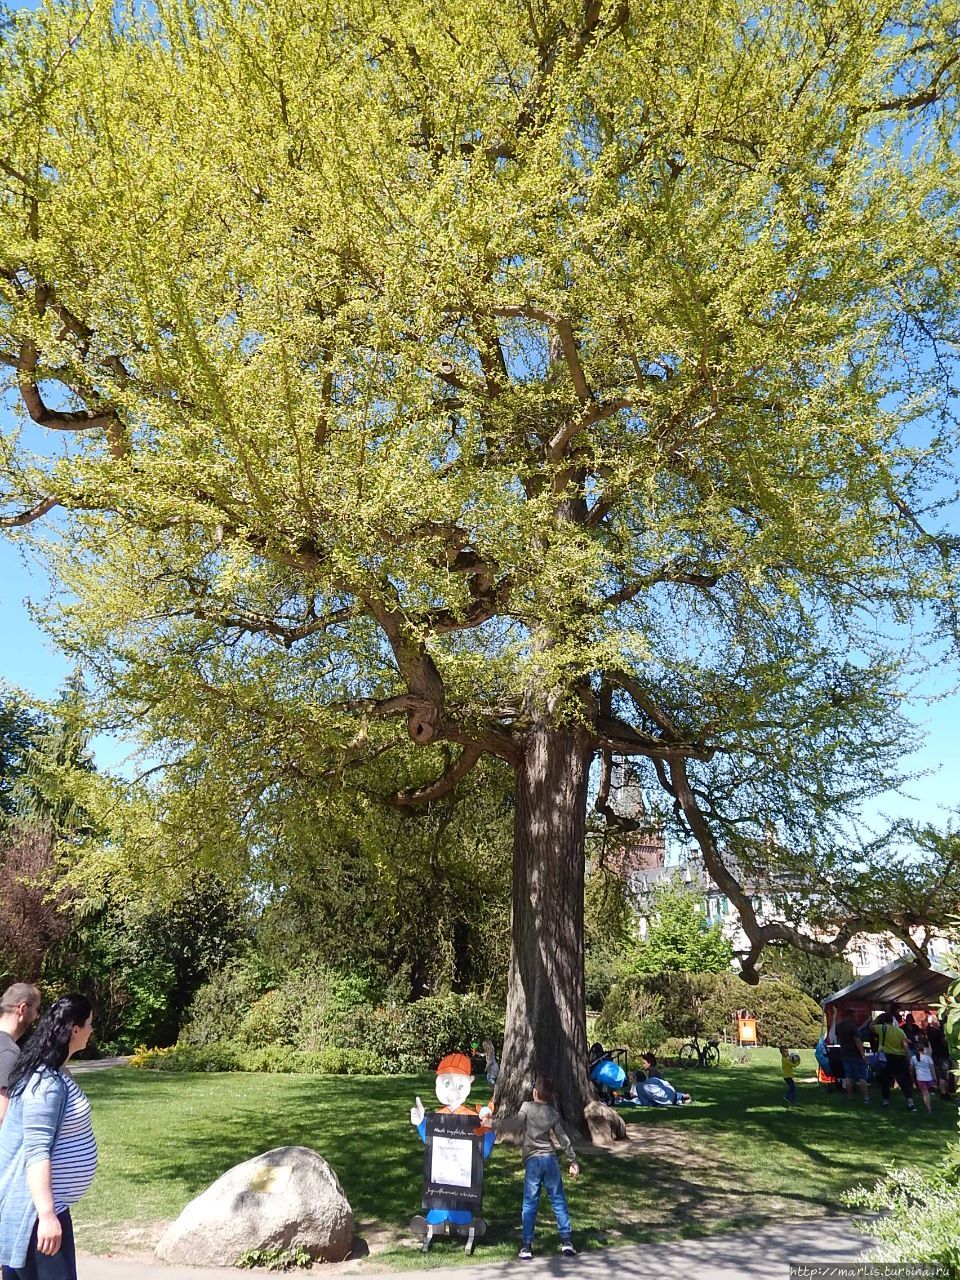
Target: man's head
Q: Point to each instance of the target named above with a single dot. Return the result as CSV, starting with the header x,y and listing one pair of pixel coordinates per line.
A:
x,y
19,1008
453,1080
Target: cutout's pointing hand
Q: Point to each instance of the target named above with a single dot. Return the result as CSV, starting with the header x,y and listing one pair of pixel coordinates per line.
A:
x,y
417,1113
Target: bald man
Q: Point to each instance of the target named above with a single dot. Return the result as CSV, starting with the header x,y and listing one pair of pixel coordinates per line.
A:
x,y
19,1010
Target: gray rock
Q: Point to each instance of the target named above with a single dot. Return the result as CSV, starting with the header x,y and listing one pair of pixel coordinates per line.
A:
x,y
289,1197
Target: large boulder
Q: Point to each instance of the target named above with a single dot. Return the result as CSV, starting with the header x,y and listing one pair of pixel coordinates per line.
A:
x,y
289,1197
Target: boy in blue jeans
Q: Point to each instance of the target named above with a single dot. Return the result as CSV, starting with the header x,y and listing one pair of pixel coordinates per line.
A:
x,y
537,1120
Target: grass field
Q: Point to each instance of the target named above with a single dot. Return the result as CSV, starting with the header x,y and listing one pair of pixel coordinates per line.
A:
x,y
737,1157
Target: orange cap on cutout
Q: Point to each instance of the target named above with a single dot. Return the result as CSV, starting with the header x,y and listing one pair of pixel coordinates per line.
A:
x,y
454,1064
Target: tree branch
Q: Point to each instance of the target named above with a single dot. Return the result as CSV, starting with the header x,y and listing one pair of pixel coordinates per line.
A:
x,y
28,517
912,102
625,740
674,572
759,935
441,786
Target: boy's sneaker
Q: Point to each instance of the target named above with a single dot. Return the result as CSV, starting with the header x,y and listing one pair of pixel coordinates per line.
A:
x,y
526,1252
911,1106
567,1249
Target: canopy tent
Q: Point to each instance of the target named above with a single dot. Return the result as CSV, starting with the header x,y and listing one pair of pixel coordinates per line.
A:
x,y
903,982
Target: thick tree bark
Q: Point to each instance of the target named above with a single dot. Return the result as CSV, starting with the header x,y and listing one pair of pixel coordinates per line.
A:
x,y
546,1008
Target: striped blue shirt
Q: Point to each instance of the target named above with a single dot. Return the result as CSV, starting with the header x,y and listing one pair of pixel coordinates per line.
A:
x,y
73,1161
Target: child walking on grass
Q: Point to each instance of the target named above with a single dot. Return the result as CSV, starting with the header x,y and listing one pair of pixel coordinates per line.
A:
x,y
924,1071
537,1120
788,1065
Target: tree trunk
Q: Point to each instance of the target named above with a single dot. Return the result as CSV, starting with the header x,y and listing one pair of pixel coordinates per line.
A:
x,y
546,1030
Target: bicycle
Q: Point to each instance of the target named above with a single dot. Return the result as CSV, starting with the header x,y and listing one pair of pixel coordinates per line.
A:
x,y
695,1054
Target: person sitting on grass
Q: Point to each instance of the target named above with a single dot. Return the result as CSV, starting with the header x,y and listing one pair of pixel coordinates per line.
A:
x,y
651,1090
788,1065
636,1081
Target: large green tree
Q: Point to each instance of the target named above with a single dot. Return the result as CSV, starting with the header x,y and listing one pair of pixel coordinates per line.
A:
x,y
19,726
679,937
555,381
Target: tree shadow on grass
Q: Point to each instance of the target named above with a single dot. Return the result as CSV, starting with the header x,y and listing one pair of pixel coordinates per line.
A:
x,y
737,1157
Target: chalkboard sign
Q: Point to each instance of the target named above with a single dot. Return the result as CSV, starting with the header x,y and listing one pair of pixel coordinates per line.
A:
x,y
453,1162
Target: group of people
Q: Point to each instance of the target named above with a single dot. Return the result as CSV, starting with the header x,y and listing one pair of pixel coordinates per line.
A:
x,y
900,1052
48,1154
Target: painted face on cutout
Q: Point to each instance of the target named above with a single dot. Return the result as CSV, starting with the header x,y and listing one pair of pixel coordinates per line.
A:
x,y
453,1088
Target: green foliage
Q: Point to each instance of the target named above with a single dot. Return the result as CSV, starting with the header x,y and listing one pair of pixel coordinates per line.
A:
x,y
279,1259
679,938
329,1061
610,925
315,1011
412,904
55,789
20,724
637,1036
307,1009
463,364
816,976
219,1007
785,1015
273,1059
141,960
182,1057
416,1036
916,1216
707,1004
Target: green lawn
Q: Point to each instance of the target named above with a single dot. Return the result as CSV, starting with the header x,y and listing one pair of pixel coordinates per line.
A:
x,y
737,1157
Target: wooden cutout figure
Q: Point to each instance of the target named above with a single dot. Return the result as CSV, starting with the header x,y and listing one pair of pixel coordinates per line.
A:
x,y
456,1147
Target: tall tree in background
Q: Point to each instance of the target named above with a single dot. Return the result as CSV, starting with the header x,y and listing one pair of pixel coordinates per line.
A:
x,y
679,937
18,727
556,382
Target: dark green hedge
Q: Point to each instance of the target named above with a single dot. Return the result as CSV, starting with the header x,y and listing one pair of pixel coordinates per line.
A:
x,y
707,1004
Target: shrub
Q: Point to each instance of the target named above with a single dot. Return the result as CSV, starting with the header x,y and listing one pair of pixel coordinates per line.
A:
x,y
228,1056
269,1022
280,1258
416,1036
668,1051
186,1057
785,1015
317,1011
329,1061
707,1004
219,1008
918,1214
602,971
642,1029
305,1010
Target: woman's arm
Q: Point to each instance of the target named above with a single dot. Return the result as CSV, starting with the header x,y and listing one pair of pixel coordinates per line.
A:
x,y
42,1110
49,1230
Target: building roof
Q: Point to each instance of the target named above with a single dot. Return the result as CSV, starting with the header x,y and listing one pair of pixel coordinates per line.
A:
x,y
903,982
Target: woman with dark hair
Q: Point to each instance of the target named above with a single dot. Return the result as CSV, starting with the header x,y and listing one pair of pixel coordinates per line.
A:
x,y
48,1154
